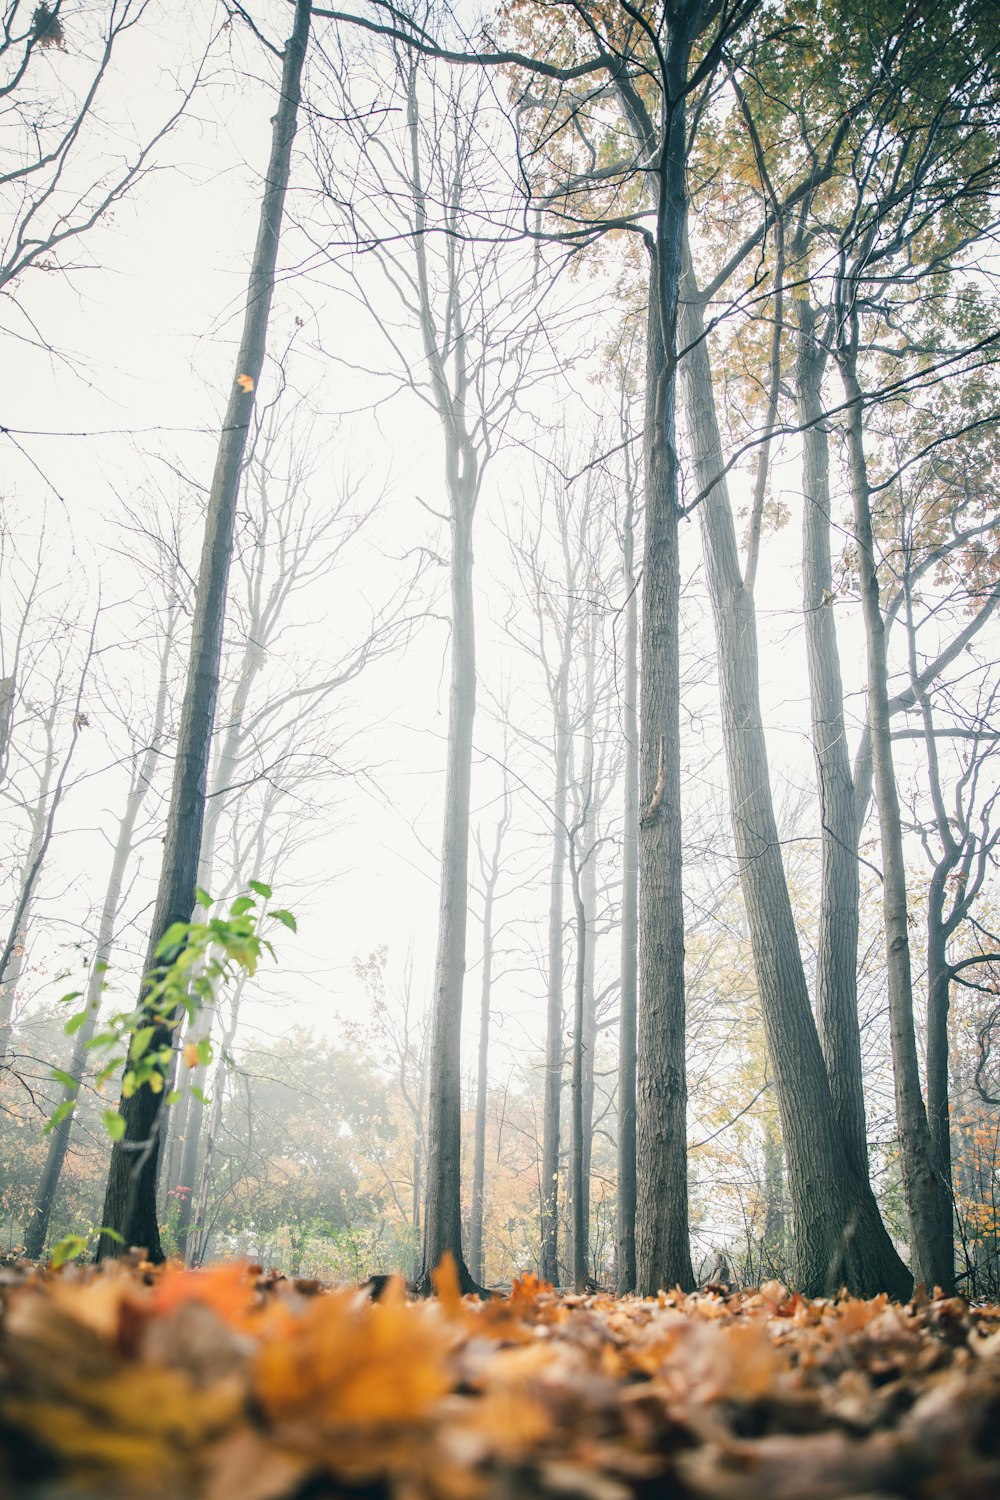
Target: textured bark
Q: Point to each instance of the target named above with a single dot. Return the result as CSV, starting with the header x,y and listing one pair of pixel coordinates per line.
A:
x,y
663,1251
130,1199
837,938
928,1196
839,1234
443,1204
626,1202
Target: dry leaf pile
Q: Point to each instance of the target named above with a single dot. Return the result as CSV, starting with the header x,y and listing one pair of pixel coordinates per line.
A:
x,y
225,1385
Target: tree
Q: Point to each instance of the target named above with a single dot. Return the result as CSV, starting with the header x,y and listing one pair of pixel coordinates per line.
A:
x,y
130,1201
451,294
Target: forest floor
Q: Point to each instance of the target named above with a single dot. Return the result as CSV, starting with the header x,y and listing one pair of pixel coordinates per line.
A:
x,y
224,1384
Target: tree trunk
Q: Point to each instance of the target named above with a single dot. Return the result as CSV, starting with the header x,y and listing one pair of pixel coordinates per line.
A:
x,y
130,1199
482,1069
554,1026
625,1214
578,1233
938,1005
588,891
839,1235
443,1204
663,1250
927,1195
837,939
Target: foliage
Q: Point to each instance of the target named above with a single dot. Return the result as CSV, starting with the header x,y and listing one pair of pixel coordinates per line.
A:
x,y
155,1381
197,960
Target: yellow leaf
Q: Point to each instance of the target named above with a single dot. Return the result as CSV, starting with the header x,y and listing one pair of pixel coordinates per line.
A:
x,y
191,1054
245,382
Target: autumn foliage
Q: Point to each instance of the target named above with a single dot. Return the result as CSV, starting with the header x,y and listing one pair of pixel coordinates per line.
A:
x,y
146,1382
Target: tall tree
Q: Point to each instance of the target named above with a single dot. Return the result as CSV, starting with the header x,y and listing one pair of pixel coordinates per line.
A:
x,y
130,1199
435,190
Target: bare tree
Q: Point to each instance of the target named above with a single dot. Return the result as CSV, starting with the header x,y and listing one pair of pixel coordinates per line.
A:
x,y
474,313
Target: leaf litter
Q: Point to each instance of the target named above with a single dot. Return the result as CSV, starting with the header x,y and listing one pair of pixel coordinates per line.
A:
x,y
158,1383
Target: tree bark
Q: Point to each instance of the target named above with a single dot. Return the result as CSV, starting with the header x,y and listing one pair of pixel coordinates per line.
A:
x,y
928,1196
837,938
443,1204
578,1233
663,1251
839,1235
492,874
626,1202
555,1041
130,1199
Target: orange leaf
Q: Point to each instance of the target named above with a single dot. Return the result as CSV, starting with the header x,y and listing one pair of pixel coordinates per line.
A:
x,y
245,383
191,1054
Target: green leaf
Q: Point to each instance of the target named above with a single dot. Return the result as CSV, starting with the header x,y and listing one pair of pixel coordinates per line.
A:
x,y
111,1234
172,1097
175,935
285,918
200,1095
114,1124
75,1022
73,995
141,1041
58,1115
260,888
202,897
66,1079
67,1249
241,905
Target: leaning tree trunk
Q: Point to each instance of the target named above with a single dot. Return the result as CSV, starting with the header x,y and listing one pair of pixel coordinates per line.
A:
x,y
663,1249
839,1235
130,1199
837,938
928,1196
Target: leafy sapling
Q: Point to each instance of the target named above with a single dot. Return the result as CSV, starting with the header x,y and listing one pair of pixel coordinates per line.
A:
x,y
195,961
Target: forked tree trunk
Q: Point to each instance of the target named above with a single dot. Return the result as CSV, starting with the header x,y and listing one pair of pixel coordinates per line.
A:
x,y
837,938
130,1199
928,1195
839,1234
